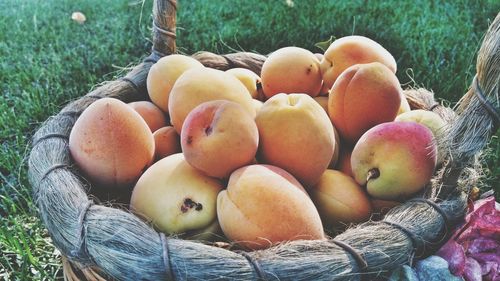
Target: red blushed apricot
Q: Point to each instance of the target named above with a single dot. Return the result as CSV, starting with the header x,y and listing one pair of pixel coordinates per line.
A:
x,y
219,137
152,114
291,70
264,205
167,142
429,119
394,160
363,96
111,143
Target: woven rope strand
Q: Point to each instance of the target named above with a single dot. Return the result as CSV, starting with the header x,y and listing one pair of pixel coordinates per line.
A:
x,y
132,83
154,57
166,257
50,136
81,247
164,31
434,106
230,62
70,113
403,229
255,265
437,208
173,3
51,169
492,110
93,97
360,260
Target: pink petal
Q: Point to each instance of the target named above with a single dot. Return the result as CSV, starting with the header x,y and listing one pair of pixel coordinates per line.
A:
x,y
472,270
490,271
483,244
454,254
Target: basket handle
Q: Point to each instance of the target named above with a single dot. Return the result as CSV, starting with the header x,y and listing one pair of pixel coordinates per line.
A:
x,y
164,20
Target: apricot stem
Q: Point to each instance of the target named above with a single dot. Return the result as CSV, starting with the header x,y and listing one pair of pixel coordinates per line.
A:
x,y
373,174
208,130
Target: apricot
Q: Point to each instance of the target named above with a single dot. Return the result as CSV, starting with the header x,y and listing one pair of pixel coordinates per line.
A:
x,y
344,162
199,85
163,74
264,205
296,135
336,150
111,143
340,200
323,101
257,104
394,160
152,114
405,106
167,142
212,232
219,137
429,119
350,50
291,70
250,79
175,197
325,90
363,96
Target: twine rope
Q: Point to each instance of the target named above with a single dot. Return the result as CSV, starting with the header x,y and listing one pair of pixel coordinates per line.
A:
x,y
166,256
70,113
173,3
492,110
50,136
132,83
434,106
230,62
360,260
81,247
51,169
152,58
436,207
169,33
255,265
93,97
160,54
403,229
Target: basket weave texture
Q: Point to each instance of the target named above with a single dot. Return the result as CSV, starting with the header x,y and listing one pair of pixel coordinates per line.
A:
x,y
100,242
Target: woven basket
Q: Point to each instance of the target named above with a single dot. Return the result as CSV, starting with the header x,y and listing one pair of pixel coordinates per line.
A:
x,y
133,250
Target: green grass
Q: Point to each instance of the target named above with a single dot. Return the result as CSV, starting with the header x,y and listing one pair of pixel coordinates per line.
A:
x,y
46,60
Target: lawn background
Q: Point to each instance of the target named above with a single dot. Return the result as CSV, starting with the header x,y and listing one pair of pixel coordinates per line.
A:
x,y
46,60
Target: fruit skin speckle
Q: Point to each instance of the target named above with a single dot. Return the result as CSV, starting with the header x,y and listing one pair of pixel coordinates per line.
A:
x,y
111,144
190,204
